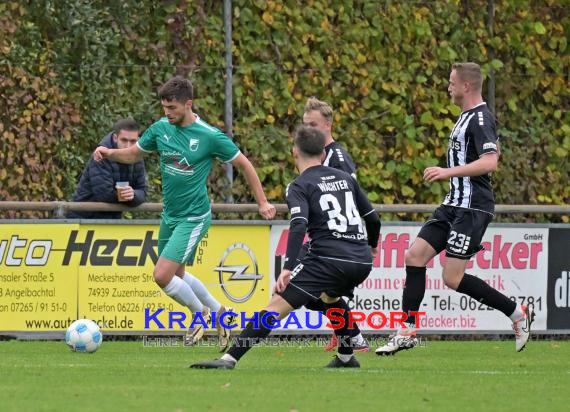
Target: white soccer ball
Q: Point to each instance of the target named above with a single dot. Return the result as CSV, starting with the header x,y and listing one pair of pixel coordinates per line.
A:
x,y
83,335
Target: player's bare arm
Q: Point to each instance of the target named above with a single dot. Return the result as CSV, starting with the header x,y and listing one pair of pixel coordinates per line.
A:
x,y
130,155
266,209
485,164
282,281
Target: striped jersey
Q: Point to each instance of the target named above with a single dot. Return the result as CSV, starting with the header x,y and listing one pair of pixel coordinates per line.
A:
x,y
473,136
338,158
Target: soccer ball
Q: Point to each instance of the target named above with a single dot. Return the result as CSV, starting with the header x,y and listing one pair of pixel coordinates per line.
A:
x,y
83,335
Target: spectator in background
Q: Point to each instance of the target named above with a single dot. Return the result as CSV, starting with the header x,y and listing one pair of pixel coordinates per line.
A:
x,y
101,181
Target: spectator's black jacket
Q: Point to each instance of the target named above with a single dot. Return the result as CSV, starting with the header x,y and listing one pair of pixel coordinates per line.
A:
x,y
97,183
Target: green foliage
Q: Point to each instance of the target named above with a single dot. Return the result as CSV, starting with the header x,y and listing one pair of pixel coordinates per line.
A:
x,y
37,120
383,66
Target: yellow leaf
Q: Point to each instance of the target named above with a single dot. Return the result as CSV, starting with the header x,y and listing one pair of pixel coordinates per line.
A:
x,y
270,119
290,84
247,81
267,18
275,193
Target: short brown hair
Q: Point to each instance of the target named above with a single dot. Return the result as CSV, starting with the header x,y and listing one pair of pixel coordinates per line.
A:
x,y
469,72
178,88
322,107
129,125
310,141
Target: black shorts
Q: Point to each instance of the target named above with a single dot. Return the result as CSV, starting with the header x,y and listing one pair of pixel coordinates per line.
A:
x,y
315,275
457,230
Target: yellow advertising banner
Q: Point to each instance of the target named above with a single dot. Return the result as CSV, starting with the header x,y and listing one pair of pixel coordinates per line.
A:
x,y
105,273
37,293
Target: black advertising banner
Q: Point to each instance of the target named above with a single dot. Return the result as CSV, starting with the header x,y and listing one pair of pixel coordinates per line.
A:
x,y
558,279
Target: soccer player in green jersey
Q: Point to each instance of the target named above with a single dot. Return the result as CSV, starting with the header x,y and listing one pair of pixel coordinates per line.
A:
x,y
187,147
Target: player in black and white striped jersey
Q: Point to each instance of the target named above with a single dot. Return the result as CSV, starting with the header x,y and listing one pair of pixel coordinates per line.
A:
x,y
319,115
473,136
458,225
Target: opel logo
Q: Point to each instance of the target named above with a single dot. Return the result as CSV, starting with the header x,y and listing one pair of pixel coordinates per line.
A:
x,y
236,261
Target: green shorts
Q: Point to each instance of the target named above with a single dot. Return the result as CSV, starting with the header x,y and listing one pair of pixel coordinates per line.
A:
x,y
178,241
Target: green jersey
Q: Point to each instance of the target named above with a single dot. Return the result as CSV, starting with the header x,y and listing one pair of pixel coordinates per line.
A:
x,y
186,155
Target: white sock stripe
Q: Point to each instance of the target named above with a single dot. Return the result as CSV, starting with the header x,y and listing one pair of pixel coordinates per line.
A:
x,y
228,357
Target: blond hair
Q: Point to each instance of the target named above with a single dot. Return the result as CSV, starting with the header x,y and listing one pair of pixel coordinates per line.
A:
x,y
323,108
469,72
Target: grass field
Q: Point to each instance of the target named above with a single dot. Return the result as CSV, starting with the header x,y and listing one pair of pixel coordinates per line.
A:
x,y
458,375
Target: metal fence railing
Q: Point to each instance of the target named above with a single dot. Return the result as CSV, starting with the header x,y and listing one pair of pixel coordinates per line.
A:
x,y
60,208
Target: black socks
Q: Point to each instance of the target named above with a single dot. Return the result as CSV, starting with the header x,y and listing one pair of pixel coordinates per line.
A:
x,y
343,333
250,335
320,306
482,292
413,292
